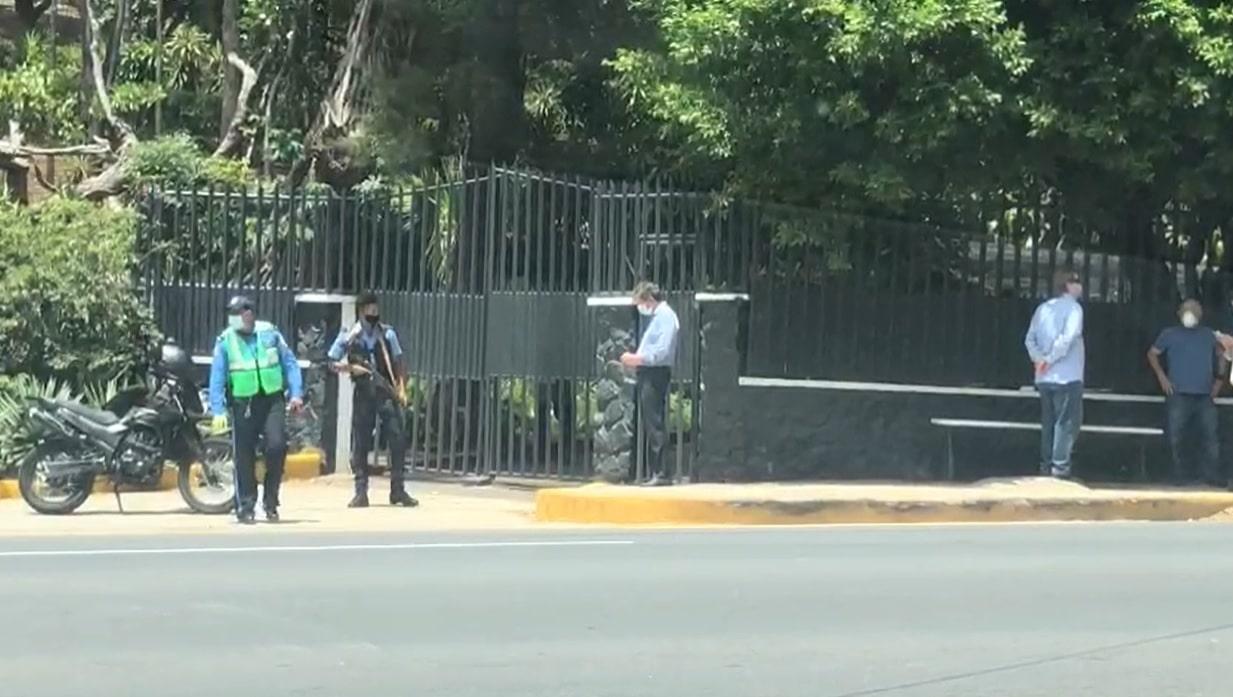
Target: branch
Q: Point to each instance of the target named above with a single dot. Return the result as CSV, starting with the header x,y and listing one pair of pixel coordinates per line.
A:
x,y
42,179
233,138
8,148
112,180
336,110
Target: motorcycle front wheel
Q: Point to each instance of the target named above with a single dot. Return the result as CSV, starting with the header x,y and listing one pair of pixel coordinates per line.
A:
x,y
48,494
209,486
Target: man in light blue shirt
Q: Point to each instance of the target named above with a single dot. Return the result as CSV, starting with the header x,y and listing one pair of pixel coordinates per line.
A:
x,y
653,361
1055,344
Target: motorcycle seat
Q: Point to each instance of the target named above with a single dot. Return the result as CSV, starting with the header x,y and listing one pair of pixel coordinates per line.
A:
x,y
98,416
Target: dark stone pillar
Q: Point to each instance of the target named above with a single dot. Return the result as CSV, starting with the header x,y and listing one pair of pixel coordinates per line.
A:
x,y
722,447
613,421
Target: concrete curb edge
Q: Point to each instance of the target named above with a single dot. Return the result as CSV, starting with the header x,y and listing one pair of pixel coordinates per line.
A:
x,y
580,506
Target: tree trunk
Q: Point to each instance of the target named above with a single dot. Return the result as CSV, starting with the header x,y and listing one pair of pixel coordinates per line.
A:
x,y
113,179
30,12
232,137
232,77
496,112
340,108
118,35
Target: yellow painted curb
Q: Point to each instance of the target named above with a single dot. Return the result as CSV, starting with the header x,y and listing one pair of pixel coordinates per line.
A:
x,y
617,507
305,464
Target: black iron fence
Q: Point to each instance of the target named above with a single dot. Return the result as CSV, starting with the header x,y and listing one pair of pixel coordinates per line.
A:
x,y
487,274
851,298
486,277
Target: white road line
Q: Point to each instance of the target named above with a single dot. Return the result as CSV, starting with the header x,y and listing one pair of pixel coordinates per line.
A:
x,y
303,548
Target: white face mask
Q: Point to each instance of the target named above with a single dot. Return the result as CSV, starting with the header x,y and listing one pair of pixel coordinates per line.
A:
x,y
236,322
1189,320
645,311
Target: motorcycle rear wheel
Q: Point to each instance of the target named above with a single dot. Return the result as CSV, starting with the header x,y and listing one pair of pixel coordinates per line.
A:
x,y
215,475
66,497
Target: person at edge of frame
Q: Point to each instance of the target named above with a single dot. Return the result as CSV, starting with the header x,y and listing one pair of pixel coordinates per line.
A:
x,y
1190,380
653,362
252,371
1054,343
371,353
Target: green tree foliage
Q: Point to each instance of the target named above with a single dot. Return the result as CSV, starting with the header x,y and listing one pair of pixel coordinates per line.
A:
x,y
950,111
855,101
39,92
67,307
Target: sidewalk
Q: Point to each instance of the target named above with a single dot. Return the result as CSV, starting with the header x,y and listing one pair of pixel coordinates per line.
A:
x,y
1017,500
318,505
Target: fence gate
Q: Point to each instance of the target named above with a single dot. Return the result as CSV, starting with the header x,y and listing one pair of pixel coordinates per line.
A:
x,y
507,289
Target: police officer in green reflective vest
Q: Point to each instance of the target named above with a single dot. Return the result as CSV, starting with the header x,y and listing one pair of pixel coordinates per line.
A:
x,y
252,372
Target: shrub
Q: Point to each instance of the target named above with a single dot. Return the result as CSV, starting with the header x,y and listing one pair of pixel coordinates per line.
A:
x,y
68,310
15,437
176,162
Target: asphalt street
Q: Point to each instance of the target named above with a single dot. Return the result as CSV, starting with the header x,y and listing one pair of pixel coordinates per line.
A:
x,y
1072,610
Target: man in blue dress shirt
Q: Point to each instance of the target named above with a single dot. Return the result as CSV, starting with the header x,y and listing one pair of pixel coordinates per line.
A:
x,y
653,362
1054,342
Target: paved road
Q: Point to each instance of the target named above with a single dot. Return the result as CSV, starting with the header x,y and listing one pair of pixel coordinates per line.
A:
x,y
1120,609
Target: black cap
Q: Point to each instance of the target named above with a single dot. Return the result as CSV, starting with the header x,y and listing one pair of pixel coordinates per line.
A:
x,y
240,304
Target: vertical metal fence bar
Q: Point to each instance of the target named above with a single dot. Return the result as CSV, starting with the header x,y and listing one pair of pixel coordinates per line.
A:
x,y
228,275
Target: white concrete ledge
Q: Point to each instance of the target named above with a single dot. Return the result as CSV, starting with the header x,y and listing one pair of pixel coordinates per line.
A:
x,y
609,301
901,388
720,297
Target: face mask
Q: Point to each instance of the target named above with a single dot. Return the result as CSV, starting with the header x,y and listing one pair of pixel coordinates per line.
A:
x,y
236,322
645,311
372,319
1189,320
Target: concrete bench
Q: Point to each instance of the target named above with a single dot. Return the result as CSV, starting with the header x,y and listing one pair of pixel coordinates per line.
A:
x,y
952,424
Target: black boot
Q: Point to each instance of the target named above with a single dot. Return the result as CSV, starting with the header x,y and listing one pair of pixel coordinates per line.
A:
x,y
399,497
271,514
246,518
359,501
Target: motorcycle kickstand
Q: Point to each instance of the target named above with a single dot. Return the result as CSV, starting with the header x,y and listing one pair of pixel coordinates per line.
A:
x,y
115,489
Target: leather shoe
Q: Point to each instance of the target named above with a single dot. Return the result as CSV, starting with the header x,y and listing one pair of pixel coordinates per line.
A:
x,y
402,498
246,518
360,501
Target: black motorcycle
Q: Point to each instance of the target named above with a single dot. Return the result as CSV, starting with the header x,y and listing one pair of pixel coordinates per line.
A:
x,y
76,444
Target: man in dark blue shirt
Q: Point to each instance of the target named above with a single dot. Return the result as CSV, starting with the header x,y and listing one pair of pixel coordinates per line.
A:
x,y
1191,382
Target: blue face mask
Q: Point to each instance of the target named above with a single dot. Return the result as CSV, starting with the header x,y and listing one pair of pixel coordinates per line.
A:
x,y
236,322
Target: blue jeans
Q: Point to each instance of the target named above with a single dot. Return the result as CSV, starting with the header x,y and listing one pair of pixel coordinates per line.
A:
x,y
1061,415
1196,410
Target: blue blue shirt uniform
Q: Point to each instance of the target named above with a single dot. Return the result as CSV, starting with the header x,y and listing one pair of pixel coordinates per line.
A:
x,y
1192,358
248,342
368,340
658,345
1056,337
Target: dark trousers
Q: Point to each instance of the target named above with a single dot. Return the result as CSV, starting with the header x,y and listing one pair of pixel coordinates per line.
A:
x,y
260,417
1197,411
368,409
1061,416
653,385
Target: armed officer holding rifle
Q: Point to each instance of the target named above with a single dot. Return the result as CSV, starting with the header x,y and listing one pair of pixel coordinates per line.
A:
x,y
369,351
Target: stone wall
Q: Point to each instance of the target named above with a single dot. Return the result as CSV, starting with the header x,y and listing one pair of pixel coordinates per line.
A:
x,y
613,439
